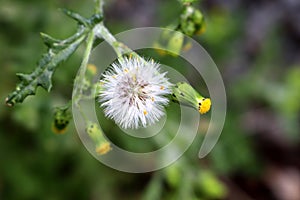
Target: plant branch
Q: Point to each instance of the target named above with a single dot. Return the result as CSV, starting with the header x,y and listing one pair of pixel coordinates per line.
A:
x,y
99,6
79,81
102,32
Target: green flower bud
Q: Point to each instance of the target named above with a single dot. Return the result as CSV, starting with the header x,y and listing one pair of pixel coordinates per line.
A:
x,y
185,94
175,43
173,175
191,21
210,186
200,25
96,134
197,16
188,27
62,117
172,41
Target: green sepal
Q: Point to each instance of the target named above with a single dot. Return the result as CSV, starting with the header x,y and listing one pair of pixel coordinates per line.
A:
x,y
95,132
185,94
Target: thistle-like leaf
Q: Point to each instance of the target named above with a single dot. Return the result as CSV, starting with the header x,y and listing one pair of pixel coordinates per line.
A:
x,y
77,17
90,22
58,51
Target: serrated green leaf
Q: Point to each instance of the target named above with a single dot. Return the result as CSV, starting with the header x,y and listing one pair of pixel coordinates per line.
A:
x,y
48,40
58,51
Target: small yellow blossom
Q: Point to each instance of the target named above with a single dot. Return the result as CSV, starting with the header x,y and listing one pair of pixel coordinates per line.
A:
x,y
92,69
103,148
204,105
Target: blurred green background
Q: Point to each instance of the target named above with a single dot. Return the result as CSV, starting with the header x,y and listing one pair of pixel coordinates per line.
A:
x,y
255,44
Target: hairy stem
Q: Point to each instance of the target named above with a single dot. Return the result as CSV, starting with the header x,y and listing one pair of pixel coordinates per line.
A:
x,y
79,81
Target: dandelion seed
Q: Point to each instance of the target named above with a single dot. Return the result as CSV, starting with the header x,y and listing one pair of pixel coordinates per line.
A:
x,y
134,92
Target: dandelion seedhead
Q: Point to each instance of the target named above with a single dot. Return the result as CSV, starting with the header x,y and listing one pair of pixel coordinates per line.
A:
x,y
133,92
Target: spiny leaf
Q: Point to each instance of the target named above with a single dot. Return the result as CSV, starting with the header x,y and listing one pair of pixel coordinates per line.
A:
x,y
58,51
48,40
90,22
76,16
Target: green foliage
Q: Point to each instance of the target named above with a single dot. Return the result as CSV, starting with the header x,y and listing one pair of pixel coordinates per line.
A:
x,y
58,51
188,1
37,164
174,175
191,21
290,100
209,185
154,188
170,40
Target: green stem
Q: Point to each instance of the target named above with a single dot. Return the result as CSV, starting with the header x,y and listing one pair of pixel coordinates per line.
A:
x,y
79,81
102,32
99,6
154,188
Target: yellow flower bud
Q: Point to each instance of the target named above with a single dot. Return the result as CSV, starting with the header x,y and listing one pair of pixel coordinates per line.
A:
x,y
185,94
103,148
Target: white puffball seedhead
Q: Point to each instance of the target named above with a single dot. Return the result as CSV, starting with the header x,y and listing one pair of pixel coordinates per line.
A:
x,y
134,92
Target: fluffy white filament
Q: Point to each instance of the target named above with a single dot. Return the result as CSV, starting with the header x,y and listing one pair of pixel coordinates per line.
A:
x,y
133,92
